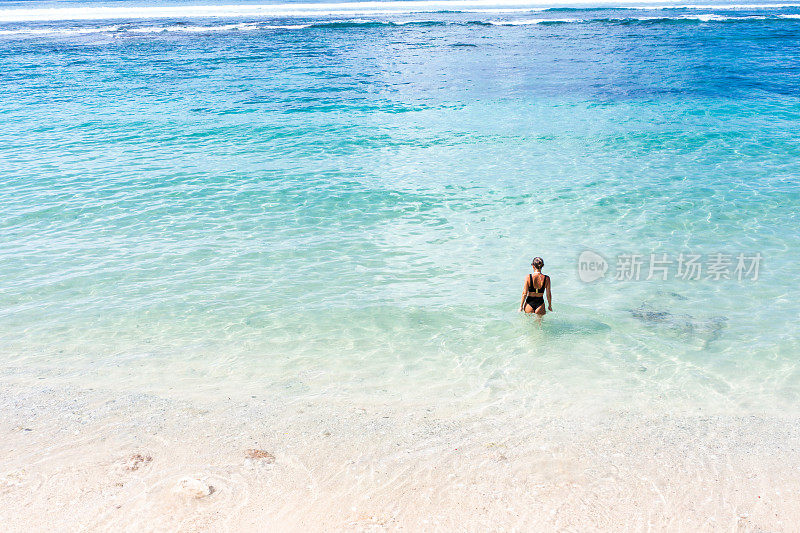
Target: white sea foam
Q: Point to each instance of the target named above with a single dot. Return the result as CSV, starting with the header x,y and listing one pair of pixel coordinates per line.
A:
x,y
194,29
286,26
718,7
59,31
326,9
506,10
526,22
708,17
251,26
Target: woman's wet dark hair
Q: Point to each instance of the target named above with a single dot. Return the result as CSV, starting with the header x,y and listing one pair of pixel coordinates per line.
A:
x,y
538,262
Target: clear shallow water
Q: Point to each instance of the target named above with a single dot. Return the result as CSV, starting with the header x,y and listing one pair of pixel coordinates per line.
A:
x,y
343,205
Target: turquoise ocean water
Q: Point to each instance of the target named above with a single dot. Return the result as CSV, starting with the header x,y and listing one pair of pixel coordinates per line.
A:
x,y
341,201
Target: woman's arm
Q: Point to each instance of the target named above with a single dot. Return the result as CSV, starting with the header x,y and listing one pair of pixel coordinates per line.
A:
x,y
549,295
524,295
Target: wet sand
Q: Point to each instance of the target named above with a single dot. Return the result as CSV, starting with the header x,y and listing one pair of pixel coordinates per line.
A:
x,y
97,460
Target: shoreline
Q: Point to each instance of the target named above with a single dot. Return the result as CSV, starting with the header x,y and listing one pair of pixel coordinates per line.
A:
x,y
119,458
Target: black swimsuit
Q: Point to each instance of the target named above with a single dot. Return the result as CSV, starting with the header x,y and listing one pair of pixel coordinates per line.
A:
x,y
535,296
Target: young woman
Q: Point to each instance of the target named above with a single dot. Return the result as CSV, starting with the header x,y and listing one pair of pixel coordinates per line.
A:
x,y
536,286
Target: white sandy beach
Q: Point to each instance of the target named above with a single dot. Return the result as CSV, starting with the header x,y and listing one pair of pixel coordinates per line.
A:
x,y
93,460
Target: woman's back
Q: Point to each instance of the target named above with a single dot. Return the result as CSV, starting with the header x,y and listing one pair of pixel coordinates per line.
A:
x,y
537,285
